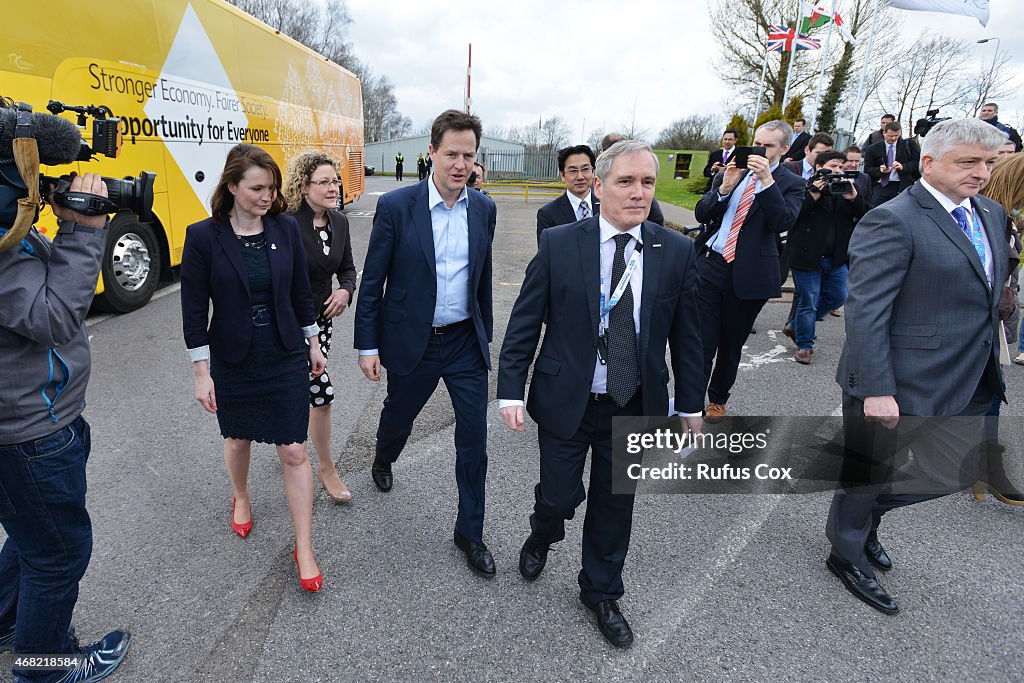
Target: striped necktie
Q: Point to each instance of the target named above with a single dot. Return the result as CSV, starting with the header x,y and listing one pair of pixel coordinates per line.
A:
x,y
584,210
729,252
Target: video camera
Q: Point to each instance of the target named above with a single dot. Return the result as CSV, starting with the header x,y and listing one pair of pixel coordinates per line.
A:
x,y
58,141
837,183
924,125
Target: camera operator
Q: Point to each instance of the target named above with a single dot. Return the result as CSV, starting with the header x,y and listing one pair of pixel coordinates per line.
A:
x,y
46,289
816,248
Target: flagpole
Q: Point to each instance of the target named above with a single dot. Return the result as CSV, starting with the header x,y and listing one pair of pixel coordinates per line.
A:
x,y
858,102
760,90
821,73
789,71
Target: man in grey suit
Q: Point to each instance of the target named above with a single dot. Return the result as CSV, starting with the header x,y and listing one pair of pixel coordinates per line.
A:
x,y
907,354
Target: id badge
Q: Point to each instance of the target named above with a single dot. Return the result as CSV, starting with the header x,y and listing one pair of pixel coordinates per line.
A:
x,y
602,349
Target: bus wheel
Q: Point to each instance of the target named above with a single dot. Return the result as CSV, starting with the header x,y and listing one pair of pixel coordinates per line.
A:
x,y
131,265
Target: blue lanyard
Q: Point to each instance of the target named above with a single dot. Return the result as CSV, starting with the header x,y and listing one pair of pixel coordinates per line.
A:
x,y
634,261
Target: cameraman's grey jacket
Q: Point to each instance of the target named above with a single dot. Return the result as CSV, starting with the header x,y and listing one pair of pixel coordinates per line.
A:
x,y
45,292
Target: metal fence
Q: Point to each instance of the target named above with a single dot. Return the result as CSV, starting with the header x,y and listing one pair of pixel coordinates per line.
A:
x,y
502,164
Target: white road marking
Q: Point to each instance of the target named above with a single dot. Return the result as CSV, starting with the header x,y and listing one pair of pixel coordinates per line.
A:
x,y
779,354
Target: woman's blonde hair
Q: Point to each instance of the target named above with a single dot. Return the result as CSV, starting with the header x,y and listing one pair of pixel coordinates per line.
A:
x,y
299,173
1006,185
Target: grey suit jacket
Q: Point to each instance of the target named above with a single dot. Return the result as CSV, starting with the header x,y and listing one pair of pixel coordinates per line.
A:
x,y
921,319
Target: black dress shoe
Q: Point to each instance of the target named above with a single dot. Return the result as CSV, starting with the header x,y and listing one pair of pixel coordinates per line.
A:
x,y
876,554
533,557
381,473
478,557
861,585
613,625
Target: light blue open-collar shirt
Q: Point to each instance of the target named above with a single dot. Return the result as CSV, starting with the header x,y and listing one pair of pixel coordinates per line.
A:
x,y
451,255
722,236
450,228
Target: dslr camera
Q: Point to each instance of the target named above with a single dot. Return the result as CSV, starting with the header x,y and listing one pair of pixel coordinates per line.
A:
x,y
60,142
931,117
836,183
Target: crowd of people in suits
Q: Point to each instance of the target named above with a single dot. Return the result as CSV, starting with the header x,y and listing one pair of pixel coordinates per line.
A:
x,y
425,314
641,309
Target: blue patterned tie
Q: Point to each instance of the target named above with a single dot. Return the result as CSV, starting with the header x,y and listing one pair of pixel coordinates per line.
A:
x,y
584,211
975,236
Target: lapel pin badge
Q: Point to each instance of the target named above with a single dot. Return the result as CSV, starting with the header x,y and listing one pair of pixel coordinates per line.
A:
x,y
273,246
655,246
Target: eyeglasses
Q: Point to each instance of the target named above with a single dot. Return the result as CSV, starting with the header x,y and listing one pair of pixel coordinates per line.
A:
x,y
572,171
324,183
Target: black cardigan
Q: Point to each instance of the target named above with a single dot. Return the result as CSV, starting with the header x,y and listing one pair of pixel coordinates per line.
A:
x,y
323,267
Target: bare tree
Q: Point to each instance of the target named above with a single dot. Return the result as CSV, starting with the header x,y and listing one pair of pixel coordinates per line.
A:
x,y
992,81
555,133
631,130
691,132
935,78
528,136
594,139
740,58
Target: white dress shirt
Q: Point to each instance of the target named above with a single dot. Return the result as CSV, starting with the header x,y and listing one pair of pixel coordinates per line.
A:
x,y
636,284
575,201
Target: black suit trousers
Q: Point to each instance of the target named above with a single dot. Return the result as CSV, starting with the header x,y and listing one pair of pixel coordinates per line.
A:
x,y
725,323
609,519
882,194
456,358
946,457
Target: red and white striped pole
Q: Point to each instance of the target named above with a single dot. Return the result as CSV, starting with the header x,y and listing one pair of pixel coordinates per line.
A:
x,y
469,74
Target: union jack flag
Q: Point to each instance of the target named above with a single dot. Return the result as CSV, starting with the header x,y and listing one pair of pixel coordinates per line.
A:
x,y
784,39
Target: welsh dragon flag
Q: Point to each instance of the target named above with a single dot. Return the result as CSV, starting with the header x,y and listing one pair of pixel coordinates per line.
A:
x,y
820,14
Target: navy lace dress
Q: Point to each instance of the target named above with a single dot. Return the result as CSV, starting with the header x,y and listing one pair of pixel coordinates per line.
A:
x,y
264,398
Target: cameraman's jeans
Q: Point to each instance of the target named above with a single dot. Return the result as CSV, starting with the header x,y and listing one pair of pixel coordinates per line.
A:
x,y
817,293
49,540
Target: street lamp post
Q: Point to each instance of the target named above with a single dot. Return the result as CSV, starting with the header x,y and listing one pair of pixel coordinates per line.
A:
x,y
991,69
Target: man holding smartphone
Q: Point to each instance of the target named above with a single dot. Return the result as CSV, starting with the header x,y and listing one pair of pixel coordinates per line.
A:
x,y
750,203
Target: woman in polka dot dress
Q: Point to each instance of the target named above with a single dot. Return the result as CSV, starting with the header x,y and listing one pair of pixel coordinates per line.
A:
x,y
312,189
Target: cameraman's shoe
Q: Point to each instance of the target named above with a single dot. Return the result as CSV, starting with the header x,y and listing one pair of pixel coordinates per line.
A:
x,y
7,639
99,659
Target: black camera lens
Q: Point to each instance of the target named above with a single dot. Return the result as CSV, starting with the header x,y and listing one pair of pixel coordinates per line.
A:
x,y
127,194
133,194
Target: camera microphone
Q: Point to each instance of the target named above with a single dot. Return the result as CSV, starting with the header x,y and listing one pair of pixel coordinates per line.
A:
x,y
59,140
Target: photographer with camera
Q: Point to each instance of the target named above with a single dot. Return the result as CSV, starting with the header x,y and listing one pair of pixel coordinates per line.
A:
x,y
816,248
46,289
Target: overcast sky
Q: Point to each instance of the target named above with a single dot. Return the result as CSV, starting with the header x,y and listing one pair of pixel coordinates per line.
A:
x,y
590,61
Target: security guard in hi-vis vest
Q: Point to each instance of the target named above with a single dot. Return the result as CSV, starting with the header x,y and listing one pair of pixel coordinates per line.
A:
x,y
399,162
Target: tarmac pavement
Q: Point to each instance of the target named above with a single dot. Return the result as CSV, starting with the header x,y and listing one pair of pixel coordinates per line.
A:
x,y
718,588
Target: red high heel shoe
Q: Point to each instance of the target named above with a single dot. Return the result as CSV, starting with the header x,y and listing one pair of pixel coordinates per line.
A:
x,y
242,530
309,585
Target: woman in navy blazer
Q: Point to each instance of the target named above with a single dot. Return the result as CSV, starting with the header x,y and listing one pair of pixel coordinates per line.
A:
x,y
250,359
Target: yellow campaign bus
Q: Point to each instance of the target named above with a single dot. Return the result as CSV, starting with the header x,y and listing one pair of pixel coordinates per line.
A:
x,y
189,80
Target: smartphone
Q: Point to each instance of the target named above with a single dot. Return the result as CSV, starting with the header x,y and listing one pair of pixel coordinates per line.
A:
x,y
741,155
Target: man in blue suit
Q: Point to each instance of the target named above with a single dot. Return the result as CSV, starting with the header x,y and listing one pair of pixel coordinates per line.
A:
x,y
425,314
744,212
